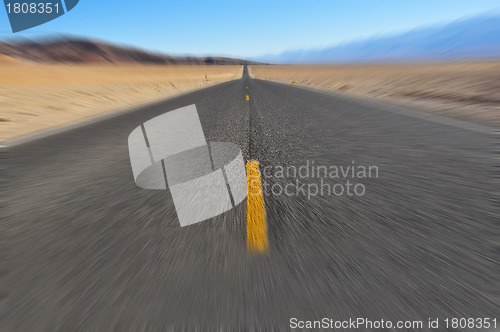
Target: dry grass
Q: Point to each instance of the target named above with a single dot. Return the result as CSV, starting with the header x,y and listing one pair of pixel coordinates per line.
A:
x,y
468,90
36,97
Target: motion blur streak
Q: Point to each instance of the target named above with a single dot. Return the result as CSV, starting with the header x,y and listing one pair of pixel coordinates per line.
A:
x,y
86,249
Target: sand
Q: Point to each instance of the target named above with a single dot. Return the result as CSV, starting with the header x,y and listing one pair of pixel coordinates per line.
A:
x,y
466,90
36,97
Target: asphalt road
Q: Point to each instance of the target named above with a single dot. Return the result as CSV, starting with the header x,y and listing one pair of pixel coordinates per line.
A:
x,y
84,248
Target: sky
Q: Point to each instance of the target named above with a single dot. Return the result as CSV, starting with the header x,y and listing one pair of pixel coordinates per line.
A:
x,y
247,28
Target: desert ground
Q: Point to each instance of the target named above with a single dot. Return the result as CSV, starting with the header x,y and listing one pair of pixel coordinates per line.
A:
x,y
464,90
36,97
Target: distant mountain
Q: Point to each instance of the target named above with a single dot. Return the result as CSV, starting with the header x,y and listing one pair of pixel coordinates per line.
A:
x,y
88,51
473,38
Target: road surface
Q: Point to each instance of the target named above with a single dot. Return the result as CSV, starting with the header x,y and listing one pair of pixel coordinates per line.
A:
x,y
84,248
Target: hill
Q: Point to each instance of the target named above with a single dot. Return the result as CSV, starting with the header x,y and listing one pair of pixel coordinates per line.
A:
x,y
84,51
466,39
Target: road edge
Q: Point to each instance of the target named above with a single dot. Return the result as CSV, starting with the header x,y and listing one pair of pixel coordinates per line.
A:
x,y
68,127
396,108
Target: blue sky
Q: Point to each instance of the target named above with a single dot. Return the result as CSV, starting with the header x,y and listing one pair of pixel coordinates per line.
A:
x,y
247,28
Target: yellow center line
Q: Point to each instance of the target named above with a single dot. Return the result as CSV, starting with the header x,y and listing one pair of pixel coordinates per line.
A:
x,y
256,212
